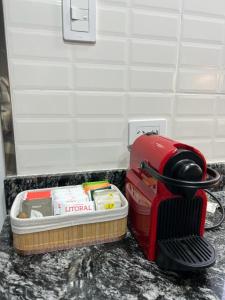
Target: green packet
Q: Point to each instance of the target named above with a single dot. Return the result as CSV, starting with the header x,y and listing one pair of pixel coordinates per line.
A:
x,y
100,189
90,183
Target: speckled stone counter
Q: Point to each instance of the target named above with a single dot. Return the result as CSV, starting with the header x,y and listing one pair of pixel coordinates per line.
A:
x,y
111,271
16,184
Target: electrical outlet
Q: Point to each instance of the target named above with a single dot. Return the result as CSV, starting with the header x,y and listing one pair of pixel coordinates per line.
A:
x,y
139,127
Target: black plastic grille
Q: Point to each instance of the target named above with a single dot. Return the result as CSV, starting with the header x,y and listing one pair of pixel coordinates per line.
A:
x,y
179,217
189,250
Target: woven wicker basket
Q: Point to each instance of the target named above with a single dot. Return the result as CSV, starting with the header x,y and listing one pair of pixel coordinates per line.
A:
x,y
33,240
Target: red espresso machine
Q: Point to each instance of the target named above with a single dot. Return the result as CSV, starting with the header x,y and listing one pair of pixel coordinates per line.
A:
x,y
167,202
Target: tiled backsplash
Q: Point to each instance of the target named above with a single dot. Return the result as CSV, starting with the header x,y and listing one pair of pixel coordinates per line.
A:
x,y
153,58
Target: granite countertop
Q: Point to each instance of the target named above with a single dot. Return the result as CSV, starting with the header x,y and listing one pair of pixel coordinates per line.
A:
x,y
111,271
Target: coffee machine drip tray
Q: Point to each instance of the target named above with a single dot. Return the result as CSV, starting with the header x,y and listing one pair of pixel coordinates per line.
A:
x,y
185,254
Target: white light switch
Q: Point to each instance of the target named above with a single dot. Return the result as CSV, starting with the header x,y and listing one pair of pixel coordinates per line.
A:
x,y
82,26
80,3
79,14
79,20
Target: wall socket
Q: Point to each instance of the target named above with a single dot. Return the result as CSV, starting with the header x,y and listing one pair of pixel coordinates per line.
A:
x,y
139,127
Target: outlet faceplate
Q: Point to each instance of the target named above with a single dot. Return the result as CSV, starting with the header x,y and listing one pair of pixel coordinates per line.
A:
x,y
139,127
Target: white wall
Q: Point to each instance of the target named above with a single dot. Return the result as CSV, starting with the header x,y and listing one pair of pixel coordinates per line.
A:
x,y
2,177
153,58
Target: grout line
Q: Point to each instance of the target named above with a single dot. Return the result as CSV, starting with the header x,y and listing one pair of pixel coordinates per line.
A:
x,y
151,10
178,49
213,139
115,92
203,15
175,82
128,80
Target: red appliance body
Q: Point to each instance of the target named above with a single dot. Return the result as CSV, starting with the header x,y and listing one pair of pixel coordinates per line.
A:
x,y
145,194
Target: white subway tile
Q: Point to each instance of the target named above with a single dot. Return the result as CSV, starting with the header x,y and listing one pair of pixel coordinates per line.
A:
x,y
112,21
154,25
220,128
193,128
94,156
99,78
92,129
219,149
40,75
33,44
44,159
215,7
205,146
149,104
35,13
165,4
203,29
44,131
104,51
110,2
100,104
198,81
151,80
222,82
41,103
153,53
199,55
220,105
194,105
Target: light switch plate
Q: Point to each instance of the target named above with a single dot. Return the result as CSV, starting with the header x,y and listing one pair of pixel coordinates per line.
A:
x,y
79,36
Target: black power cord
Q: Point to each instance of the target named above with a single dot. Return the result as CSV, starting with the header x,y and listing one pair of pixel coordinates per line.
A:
x,y
222,212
